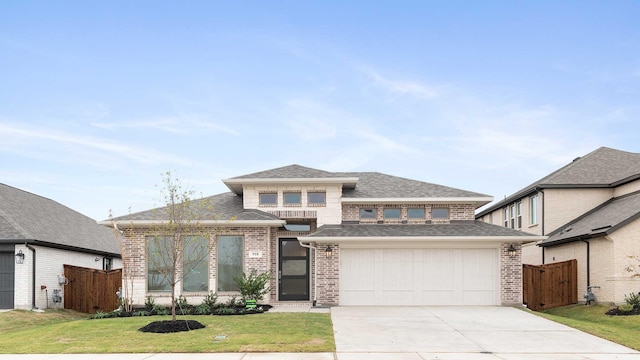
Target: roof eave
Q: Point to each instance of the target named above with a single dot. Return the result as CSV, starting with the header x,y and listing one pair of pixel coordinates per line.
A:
x,y
363,239
236,185
151,223
478,201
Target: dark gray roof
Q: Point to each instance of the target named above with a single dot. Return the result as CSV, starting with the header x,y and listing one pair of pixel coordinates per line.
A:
x,y
291,172
369,184
223,206
604,167
28,217
454,229
378,185
600,221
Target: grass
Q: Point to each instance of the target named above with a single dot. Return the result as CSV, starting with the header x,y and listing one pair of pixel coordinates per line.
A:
x,y
61,332
623,330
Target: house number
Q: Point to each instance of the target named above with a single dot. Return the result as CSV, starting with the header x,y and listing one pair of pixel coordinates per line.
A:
x,y
255,254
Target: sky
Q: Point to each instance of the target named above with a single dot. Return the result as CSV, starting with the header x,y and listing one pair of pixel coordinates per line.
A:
x,y
99,98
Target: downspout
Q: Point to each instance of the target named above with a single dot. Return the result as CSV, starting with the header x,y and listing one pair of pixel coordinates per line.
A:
x,y
542,217
315,270
588,261
33,275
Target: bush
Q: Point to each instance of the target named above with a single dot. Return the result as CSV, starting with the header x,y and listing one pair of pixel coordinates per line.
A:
x,y
149,303
224,310
232,302
632,299
211,300
625,308
203,309
253,286
160,310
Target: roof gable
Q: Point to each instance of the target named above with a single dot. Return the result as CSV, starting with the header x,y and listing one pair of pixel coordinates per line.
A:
x,y
28,217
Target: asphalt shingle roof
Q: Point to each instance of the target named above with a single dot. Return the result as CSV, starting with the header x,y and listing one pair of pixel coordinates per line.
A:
x,y
223,206
455,228
604,167
600,221
26,216
369,185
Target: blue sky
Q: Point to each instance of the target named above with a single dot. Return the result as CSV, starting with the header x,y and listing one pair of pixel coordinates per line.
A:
x,y
98,98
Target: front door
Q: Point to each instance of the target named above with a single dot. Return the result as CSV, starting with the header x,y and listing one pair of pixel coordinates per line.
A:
x,y
293,273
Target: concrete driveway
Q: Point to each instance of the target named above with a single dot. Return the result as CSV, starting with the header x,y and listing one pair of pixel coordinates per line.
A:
x,y
487,333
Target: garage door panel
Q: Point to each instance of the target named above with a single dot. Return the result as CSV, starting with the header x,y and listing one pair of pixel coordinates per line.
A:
x,y
418,276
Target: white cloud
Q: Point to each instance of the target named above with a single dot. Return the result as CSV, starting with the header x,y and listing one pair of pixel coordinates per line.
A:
x,y
401,87
24,138
174,125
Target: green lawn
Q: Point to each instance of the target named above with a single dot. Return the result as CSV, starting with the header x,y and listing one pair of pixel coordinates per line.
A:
x,y
623,330
64,332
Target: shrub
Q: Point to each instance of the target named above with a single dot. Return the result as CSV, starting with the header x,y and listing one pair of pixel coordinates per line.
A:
x,y
99,315
224,310
149,303
632,299
140,313
160,310
253,286
182,302
203,309
232,302
625,308
211,300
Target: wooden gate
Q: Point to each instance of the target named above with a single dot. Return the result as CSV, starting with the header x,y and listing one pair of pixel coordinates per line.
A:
x,y
90,290
550,285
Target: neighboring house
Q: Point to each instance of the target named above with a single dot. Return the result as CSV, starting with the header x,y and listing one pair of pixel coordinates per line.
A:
x,y
589,209
347,238
37,237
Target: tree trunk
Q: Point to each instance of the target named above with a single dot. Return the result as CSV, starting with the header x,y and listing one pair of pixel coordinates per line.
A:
x,y
173,301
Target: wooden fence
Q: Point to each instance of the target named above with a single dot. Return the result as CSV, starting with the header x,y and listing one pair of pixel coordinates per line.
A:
x,y
90,290
551,285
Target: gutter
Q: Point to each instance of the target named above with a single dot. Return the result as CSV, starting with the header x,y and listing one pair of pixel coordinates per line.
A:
x,y
148,223
315,272
497,239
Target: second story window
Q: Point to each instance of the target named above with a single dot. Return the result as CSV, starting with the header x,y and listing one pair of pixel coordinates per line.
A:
x,y
519,214
268,199
292,199
391,213
417,213
513,216
316,198
533,209
440,213
367,213
505,214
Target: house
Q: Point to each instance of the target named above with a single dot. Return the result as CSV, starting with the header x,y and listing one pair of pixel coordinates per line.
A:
x,y
347,238
589,209
37,237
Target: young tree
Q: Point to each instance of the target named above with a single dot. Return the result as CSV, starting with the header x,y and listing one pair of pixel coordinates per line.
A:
x,y
179,243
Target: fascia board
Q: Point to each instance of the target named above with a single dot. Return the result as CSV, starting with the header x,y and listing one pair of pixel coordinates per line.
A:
x,y
392,239
438,200
239,223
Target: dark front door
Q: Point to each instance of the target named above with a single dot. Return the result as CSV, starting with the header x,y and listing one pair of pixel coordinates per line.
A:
x,y
293,274
7,276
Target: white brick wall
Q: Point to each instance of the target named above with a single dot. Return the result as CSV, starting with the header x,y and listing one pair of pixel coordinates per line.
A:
x,y
331,213
49,264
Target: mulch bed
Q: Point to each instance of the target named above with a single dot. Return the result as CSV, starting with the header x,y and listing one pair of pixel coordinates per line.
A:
x,y
616,311
170,326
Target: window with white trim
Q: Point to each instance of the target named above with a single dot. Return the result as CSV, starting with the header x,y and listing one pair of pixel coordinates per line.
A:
x,y
513,216
533,209
268,199
519,214
292,198
505,215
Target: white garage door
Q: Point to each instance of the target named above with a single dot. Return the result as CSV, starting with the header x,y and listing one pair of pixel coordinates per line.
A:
x,y
419,277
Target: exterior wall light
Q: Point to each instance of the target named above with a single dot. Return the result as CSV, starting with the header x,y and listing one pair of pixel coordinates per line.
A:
x,y
511,251
328,251
20,257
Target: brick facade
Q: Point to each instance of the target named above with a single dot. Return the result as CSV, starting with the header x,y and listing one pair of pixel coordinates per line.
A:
x,y
510,276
